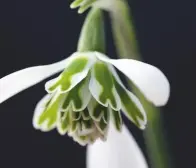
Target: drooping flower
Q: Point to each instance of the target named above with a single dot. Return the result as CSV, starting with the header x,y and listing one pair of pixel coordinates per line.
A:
x,y
88,94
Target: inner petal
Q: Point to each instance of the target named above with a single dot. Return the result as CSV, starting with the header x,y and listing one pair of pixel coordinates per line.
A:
x,y
131,106
78,97
102,86
45,115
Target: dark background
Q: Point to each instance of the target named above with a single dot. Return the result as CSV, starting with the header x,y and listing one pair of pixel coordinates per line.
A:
x,y
35,32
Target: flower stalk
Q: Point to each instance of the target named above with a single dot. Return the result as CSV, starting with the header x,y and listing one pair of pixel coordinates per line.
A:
x,y
92,37
127,45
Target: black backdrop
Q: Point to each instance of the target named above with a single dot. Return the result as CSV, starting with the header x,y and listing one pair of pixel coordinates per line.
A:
x,y
35,32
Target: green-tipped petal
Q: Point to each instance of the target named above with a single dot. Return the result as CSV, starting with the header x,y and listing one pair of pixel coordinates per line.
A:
x,y
76,70
102,127
64,122
85,114
117,119
102,86
78,97
45,115
131,106
96,110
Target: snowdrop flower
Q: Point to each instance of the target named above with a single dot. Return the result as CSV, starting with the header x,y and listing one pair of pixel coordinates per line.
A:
x,y
119,151
88,94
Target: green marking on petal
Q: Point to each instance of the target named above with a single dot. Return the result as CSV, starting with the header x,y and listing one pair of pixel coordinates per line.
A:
x,y
78,97
76,116
82,140
106,116
48,117
102,86
64,122
74,72
129,106
85,114
96,110
74,126
87,124
117,119
101,126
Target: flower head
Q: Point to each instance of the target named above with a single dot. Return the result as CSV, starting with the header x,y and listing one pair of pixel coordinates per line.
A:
x,y
89,93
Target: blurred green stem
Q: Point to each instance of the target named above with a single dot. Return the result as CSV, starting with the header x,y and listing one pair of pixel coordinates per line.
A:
x,y
127,46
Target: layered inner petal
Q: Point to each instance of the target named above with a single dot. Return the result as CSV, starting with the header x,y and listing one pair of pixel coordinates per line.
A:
x,y
64,121
149,79
101,116
117,119
78,97
46,112
131,106
102,86
75,71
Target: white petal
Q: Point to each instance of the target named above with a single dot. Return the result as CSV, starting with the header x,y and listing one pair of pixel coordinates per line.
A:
x,y
23,79
149,79
119,151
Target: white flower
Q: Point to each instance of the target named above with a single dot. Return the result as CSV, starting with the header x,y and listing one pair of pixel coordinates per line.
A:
x,y
88,93
119,151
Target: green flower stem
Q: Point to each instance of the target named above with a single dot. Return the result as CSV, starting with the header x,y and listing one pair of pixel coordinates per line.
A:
x,y
92,37
127,46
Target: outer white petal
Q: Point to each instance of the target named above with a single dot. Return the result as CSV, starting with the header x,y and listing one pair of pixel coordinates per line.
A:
x,y
119,151
23,79
149,79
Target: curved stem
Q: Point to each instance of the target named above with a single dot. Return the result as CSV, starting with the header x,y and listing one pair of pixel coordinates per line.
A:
x,y
92,36
127,46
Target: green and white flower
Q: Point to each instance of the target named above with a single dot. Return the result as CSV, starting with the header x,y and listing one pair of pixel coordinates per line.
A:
x,y
88,94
